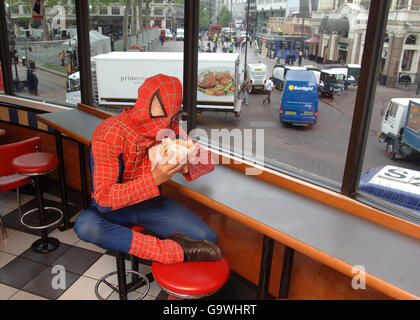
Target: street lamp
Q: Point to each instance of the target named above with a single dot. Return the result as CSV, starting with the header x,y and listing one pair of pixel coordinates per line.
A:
x,y
246,39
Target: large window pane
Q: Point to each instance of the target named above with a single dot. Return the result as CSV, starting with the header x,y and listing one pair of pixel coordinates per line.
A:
x,y
311,138
43,48
391,170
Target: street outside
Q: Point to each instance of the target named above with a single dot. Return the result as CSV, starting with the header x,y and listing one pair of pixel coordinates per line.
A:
x,y
319,150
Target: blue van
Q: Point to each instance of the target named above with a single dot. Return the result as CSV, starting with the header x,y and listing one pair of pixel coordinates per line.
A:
x,y
299,102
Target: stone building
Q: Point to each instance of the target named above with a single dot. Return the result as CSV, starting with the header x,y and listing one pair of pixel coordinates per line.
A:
x,y
341,33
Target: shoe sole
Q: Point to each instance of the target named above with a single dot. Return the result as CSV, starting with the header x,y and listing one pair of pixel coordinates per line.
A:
x,y
208,242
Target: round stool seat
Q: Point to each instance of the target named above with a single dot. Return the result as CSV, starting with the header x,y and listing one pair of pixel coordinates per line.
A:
x,y
35,163
193,279
138,228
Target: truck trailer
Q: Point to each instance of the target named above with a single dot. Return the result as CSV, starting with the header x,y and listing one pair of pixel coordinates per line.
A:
x,y
116,77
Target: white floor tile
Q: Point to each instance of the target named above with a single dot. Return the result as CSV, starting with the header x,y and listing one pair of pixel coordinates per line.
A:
x,y
130,296
23,295
68,236
9,232
9,199
7,292
89,246
5,258
154,289
4,210
107,264
17,242
84,289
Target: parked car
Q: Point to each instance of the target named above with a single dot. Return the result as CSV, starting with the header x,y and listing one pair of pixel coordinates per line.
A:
x,y
169,35
180,34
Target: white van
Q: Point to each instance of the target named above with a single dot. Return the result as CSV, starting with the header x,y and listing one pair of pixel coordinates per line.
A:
x,y
180,34
257,73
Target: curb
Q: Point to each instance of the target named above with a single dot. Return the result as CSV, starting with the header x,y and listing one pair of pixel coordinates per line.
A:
x,y
52,71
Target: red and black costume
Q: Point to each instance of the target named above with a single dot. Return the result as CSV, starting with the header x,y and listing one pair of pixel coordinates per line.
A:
x,y
124,191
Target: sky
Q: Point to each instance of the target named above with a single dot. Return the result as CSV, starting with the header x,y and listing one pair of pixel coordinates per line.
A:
x,y
292,6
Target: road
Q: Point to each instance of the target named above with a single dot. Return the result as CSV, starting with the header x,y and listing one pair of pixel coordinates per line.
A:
x,y
318,151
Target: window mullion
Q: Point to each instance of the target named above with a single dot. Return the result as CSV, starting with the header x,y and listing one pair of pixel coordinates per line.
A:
x,y
375,32
5,57
83,51
191,25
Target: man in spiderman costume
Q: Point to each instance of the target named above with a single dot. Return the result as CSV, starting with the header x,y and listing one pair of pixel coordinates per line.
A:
x,y
125,191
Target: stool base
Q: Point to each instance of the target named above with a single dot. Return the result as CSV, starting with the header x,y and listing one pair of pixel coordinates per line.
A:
x,y
129,287
51,245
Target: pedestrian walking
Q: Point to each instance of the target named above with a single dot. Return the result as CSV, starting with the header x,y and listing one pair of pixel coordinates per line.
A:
x,y
246,88
300,56
292,60
32,81
268,87
62,57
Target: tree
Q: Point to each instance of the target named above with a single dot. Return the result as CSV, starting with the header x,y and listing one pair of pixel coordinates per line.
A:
x,y
204,16
224,17
125,24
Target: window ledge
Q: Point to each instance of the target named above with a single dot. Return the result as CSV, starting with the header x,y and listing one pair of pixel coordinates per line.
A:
x,y
32,104
333,229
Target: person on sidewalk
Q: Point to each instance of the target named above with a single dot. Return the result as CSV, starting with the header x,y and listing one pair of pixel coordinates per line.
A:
x,y
300,56
32,80
268,87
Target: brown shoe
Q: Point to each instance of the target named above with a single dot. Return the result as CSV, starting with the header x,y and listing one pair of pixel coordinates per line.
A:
x,y
196,250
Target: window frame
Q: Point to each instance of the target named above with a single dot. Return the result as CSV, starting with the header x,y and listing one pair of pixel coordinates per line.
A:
x,y
374,40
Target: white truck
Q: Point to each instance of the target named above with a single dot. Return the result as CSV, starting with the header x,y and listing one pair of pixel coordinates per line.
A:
x,y
179,34
400,128
116,77
257,73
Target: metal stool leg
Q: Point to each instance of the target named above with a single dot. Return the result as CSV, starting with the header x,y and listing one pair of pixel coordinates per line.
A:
x,y
122,279
3,230
45,244
123,288
18,201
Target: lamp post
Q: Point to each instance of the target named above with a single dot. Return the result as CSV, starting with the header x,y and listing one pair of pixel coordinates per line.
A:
x,y
246,40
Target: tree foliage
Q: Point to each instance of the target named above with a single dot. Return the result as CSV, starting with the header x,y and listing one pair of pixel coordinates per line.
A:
x,y
225,17
204,16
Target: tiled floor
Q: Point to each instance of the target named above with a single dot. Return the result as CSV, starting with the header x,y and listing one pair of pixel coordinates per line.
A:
x,y
71,271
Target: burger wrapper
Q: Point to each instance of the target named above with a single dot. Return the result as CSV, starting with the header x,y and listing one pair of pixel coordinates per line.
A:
x,y
173,151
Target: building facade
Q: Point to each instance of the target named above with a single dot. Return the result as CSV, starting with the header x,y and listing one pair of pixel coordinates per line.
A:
x,y
342,31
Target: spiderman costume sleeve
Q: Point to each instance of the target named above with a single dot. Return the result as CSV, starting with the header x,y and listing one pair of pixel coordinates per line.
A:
x,y
120,166
110,191
205,163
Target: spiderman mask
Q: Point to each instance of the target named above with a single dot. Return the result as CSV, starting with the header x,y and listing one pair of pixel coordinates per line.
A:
x,y
159,101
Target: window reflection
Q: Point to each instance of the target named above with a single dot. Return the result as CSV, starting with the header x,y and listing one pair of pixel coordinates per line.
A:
x,y
391,169
43,48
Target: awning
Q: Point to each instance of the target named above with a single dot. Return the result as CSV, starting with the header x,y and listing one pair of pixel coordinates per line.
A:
x,y
312,40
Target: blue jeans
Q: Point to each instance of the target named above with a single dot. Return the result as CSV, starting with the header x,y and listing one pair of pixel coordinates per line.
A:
x,y
246,97
111,231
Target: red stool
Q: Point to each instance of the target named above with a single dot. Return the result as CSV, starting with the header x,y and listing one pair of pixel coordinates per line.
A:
x,y
191,280
138,279
35,165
